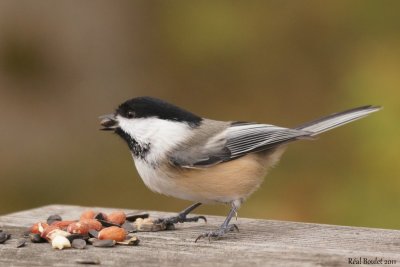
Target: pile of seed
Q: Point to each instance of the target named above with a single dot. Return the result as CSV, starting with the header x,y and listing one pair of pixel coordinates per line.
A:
x,y
92,228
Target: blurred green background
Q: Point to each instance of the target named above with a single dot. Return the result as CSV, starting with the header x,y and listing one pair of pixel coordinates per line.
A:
x,y
64,63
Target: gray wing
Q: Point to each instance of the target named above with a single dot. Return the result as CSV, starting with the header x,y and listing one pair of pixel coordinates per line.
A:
x,y
236,140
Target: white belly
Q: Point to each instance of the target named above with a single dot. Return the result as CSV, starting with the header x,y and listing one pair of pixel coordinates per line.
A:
x,y
153,178
224,182
158,181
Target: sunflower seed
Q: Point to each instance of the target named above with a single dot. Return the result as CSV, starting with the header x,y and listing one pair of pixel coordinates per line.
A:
x,y
36,238
128,227
107,223
3,237
103,243
72,237
99,216
53,218
21,242
78,243
91,240
93,233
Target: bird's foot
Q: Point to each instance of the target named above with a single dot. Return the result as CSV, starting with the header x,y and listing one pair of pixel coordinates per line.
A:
x,y
224,229
180,218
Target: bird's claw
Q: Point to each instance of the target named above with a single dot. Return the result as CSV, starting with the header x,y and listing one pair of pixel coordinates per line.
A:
x,y
218,233
195,219
180,218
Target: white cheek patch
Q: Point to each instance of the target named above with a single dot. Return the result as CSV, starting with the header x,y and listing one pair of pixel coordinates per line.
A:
x,y
162,135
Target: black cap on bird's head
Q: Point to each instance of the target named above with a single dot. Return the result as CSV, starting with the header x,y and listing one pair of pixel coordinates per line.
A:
x,y
147,107
136,118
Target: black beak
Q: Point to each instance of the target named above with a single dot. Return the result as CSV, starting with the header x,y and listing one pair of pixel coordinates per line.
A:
x,y
108,122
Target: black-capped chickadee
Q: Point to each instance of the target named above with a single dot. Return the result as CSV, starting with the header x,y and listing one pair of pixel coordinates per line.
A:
x,y
180,154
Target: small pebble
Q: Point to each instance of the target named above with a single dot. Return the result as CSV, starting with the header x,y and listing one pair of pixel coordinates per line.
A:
x,y
78,243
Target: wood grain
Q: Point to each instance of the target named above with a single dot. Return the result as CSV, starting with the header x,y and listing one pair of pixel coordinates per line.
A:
x,y
259,243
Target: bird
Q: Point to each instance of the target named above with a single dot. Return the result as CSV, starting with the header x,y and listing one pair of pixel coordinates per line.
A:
x,y
180,154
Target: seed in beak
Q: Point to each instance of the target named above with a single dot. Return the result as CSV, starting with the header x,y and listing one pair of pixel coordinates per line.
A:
x,y
108,122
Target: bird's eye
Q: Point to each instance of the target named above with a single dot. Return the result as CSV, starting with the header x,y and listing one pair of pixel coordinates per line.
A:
x,y
130,114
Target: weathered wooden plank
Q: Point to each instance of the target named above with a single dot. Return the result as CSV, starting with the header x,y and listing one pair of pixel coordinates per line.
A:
x,y
260,243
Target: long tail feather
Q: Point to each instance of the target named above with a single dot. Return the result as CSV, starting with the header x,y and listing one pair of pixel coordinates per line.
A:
x,y
338,119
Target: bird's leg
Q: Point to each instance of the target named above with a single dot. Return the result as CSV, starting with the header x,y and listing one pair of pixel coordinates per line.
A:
x,y
224,228
181,217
